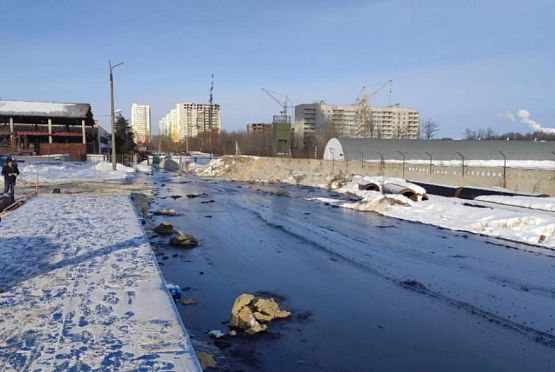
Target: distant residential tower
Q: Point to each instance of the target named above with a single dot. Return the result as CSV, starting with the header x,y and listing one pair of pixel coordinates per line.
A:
x,y
140,122
188,120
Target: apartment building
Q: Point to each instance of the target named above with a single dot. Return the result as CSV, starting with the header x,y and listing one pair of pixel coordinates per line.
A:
x,y
169,126
387,122
188,120
140,122
395,122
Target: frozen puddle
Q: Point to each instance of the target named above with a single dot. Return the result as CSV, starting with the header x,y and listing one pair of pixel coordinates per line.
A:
x,y
80,289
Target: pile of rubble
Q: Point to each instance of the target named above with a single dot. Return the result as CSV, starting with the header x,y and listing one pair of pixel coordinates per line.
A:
x,y
252,314
180,239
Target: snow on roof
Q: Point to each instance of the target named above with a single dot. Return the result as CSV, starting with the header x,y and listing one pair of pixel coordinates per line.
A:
x,y
53,109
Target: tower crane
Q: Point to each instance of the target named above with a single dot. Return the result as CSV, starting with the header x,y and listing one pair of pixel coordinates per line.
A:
x,y
364,128
284,105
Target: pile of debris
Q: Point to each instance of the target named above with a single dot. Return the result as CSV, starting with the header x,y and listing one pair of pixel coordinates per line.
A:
x,y
184,240
180,239
252,314
164,228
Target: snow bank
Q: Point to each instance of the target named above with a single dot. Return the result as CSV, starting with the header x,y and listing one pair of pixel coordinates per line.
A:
x,y
545,204
215,168
68,171
450,213
530,227
106,167
375,201
145,168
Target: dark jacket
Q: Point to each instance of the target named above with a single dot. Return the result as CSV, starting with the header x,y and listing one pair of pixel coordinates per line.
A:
x,y
10,173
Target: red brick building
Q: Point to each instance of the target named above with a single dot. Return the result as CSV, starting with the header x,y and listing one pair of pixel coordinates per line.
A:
x,y
44,128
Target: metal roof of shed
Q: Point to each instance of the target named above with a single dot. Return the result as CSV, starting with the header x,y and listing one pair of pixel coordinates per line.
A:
x,y
48,109
355,148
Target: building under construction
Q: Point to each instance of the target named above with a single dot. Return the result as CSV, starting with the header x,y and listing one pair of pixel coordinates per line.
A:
x,y
189,120
360,120
45,128
387,122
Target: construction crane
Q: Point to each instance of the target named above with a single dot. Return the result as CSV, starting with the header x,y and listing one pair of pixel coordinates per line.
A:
x,y
284,105
210,116
363,117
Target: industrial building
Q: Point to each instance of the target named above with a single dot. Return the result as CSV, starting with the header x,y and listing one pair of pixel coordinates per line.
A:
x,y
43,128
140,122
188,120
388,122
440,150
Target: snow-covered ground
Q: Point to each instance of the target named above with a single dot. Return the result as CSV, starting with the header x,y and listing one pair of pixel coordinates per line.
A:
x,y
526,226
523,225
544,204
81,290
69,171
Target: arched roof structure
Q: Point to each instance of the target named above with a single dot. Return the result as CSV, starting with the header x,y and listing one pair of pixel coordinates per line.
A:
x,y
361,148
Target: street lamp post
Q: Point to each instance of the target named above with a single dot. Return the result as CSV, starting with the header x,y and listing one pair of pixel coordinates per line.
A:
x,y
113,112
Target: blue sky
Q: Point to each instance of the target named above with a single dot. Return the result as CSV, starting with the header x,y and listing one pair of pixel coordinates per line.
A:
x,y
462,63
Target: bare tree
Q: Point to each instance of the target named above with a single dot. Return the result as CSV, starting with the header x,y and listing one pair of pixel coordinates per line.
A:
x,y
429,129
470,134
489,134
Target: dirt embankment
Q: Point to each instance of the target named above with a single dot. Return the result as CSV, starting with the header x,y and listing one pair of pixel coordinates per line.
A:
x,y
249,168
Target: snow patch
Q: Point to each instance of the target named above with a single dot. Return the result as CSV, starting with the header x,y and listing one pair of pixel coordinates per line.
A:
x,y
69,171
545,204
530,227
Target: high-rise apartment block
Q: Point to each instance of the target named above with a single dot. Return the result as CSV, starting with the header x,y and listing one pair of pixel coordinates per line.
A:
x,y
140,122
188,120
388,122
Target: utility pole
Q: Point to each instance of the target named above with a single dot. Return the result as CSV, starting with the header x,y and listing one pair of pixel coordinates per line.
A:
x,y
112,115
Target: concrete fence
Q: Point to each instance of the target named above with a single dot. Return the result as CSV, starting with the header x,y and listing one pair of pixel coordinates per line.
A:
x,y
515,179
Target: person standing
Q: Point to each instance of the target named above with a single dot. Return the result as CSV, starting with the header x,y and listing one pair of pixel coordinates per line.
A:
x,y
10,173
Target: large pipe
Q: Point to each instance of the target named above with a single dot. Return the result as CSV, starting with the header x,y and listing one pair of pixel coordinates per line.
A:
x,y
400,190
414,194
